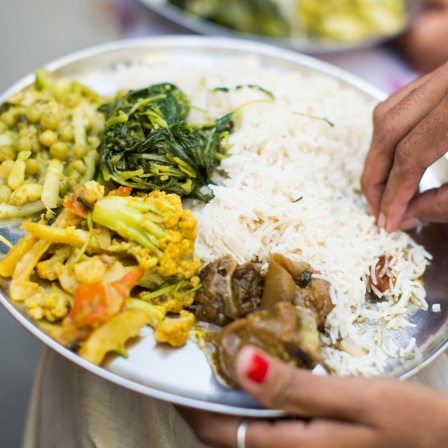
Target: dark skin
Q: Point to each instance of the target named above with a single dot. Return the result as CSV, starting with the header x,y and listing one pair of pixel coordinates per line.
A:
x,y
410,134
340,412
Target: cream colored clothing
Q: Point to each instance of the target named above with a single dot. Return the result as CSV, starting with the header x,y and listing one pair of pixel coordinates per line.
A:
x,y
72,408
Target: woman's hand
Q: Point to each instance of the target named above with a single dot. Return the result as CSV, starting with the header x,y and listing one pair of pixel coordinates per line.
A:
x,y
410,134
339,412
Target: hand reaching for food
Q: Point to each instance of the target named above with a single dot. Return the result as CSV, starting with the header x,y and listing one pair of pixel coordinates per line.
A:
x,y
326,411
410,134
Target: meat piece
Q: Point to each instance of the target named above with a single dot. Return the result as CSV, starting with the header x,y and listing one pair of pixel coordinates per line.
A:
x,y
293,282
287,332
228,291
316,296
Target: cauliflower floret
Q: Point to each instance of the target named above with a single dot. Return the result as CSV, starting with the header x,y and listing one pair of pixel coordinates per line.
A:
x,y
51,306
49,268
175,331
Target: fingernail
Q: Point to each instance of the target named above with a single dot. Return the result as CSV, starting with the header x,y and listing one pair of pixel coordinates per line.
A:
x,y
410,223
381,221
257,368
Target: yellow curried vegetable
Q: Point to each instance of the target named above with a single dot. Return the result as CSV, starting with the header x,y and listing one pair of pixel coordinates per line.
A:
x,y
49,133
112,335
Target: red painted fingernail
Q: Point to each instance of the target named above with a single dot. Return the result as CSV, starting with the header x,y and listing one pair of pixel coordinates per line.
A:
x,y
257,368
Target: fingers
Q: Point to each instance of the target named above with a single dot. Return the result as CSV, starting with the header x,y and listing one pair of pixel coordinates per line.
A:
x,y
299,392
430,206
313,434
395,120
216,430
423,146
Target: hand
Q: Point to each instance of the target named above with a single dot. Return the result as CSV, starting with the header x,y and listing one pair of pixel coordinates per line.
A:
x,y
340,412
425,44
410,134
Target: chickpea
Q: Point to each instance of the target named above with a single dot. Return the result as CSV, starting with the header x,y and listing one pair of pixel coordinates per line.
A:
x,y
3,127
5,193
67,133
33,114
8,118
7,152
31,167
79,150
23,144
59,150
47,138
49,120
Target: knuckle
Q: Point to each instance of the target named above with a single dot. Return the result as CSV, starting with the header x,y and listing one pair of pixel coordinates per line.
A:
x,y
379,113
404,160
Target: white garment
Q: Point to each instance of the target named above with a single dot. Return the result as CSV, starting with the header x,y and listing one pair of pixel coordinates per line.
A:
x,y
72,408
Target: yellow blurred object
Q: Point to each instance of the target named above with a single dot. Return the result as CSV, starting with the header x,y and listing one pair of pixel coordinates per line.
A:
x,y
351,20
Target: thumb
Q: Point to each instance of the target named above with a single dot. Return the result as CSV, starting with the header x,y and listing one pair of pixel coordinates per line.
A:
x,y
278,385
429,206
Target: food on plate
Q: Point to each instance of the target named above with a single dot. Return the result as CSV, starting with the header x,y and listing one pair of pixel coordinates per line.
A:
x,y
148,144
333,21
282,242
228,291
351,21
269,311
96,251
49,133
285,331
264,17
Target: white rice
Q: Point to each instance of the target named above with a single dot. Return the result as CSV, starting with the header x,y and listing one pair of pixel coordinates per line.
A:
x,y
291,186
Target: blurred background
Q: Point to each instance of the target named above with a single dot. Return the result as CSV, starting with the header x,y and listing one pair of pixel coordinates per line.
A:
x,y
36,32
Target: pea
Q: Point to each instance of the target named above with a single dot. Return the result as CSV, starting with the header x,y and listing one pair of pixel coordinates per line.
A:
x,y
49,120
23,144
7,152
72,100
47,138
59,150
8,118
79,150
33,114
5,193
31,167
67,134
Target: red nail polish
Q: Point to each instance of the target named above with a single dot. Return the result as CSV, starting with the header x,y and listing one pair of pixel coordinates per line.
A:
x,y
258,368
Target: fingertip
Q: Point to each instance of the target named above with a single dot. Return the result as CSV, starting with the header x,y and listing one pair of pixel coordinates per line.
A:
x,y
252,365
409,224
